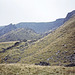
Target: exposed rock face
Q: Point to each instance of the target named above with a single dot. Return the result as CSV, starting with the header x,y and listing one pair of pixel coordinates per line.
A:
x,y
69,15
70,65
42,64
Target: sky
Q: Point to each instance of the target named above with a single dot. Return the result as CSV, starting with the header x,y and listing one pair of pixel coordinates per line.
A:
x,y
15,11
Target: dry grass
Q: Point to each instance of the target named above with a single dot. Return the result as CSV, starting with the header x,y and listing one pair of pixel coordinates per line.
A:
x,y
25,69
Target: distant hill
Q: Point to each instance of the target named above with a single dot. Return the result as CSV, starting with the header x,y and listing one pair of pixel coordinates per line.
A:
x,y
7,33
1,27
41,27
38,27
7,29
20,34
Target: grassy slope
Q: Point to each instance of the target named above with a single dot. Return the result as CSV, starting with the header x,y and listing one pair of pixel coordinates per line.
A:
x,y
24,69
45,49
6,44
19,34
63,40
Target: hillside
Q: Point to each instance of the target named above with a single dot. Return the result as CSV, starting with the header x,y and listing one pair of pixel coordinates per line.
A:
x,y
20,34
57,48
38,27
41,27
1,27
7,29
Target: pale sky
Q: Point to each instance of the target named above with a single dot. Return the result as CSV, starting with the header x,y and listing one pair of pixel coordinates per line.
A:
x,y
15,11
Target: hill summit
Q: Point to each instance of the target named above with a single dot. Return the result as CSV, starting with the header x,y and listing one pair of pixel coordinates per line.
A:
x,y
7,29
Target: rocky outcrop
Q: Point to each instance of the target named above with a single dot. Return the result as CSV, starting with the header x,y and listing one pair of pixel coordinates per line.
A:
x,y
69,15
10,47
70,65
43,64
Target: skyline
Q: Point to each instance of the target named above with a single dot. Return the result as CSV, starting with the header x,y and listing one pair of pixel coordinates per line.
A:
x,y
15,11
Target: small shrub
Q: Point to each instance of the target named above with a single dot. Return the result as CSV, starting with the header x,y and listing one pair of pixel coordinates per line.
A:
x,y
17,43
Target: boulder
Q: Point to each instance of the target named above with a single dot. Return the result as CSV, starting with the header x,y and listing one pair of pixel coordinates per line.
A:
x,y
43,64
